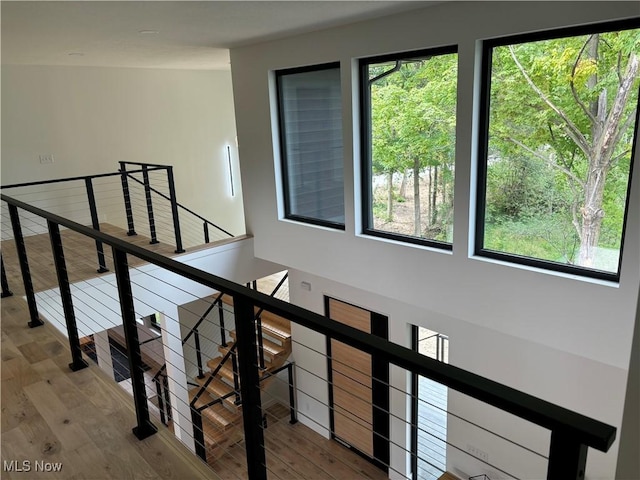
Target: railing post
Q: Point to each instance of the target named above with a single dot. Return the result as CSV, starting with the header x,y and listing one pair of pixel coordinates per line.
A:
x,y
205,226
260,342
223,332
144,428
293,413
102,266
147,194
567,457
77,362
174,210
159,394
6,292
236,378
198,434
196,338
127,199
250,387
24,267
167,397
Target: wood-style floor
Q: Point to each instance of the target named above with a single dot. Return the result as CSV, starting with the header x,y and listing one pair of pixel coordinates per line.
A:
x,y
80,419
83,419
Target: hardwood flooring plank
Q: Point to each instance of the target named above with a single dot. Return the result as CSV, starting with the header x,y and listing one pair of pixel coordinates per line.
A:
x,y
63,388
66,426
29,464
16,406
87,462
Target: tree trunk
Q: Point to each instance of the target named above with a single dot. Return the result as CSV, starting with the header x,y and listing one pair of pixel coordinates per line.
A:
x,y
403,185
390,197
605,134
434,197
429,188
417,228
592,215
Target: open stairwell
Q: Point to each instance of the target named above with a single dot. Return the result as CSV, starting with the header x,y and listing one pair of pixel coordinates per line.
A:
x,y
218,399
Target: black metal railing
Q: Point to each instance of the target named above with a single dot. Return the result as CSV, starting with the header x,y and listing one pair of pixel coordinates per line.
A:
x,y
571,433
6,291
231,355
143,169
259,320
175,206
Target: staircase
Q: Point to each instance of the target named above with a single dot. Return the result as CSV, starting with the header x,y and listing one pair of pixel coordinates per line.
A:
x,y
216,404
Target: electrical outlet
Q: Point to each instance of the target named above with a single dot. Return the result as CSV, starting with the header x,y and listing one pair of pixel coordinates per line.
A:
x,y
479,454
44,159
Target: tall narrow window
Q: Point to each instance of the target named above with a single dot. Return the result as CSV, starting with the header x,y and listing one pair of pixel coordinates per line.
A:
x,y
409,121
310,113
560,121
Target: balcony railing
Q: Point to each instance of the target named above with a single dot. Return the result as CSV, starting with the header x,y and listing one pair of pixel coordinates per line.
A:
x,y
571,434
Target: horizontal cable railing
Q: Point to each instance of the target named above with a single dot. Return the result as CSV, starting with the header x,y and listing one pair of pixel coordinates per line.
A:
x,y
276,448
142,197
158,190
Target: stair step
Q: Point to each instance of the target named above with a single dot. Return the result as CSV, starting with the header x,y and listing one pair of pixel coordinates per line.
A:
x,y
226,371
217,414
276,322
267,361
274,330
216,440
281,326
271,349
217,388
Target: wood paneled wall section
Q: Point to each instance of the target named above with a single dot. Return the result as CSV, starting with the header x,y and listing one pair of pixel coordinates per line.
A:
x,y
351,373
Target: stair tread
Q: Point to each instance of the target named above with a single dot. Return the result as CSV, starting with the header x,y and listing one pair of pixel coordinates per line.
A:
x,y
274,330
215,439
267,361
269,347
218,414
276,321
280,326
217,387
225,371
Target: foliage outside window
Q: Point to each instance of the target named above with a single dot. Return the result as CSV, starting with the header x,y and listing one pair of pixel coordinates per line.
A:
x,y
409,120
310,112
560,116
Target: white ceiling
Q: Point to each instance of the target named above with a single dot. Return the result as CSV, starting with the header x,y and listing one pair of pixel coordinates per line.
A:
x,y
175,34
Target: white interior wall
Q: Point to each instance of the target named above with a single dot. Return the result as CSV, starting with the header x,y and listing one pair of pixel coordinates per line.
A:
x,y
209,331
89,118
535,330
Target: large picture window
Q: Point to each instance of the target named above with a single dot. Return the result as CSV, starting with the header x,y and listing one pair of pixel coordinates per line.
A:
x,y
409,121
310,114
559,125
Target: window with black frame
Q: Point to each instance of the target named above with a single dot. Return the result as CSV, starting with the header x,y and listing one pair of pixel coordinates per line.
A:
x,y
310,116
408,127
558,129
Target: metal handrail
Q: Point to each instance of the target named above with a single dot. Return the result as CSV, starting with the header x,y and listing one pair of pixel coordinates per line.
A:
x,y
188,210
563,422
74,179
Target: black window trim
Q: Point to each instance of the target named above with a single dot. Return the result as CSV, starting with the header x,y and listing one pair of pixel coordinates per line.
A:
x,y
283,152
483,141
365,148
